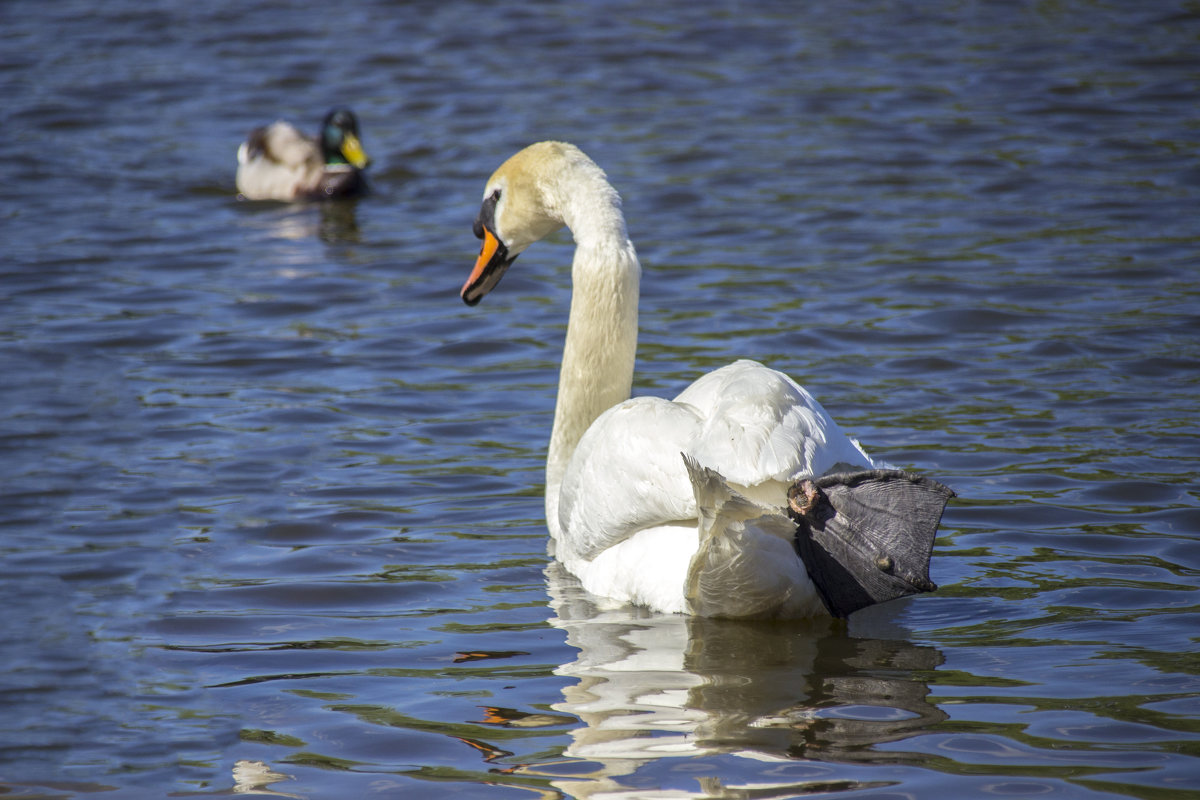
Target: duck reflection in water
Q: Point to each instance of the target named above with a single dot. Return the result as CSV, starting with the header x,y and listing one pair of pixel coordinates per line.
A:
x,y
333,223
653,686
339,223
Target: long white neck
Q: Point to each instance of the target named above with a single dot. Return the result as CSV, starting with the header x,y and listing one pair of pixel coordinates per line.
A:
x,y
601,343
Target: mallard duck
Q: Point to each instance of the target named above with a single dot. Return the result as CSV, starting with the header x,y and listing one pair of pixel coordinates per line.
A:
x,y
278,162
739,498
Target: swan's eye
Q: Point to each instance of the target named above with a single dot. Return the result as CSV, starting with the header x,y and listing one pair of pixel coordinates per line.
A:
x,y
487,214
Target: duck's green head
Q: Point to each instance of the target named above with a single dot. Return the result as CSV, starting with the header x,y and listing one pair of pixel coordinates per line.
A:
x,y
340,143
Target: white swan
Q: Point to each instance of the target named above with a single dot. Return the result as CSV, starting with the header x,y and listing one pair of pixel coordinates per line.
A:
x,y
704,533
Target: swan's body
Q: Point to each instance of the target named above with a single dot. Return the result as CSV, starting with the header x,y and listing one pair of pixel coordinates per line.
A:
x,y
675,505
278,162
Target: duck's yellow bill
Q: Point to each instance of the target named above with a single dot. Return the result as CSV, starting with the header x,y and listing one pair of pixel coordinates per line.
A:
x,y
352,149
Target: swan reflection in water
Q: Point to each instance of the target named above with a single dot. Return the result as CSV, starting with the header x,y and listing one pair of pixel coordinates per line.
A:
x,y
658,686
660,699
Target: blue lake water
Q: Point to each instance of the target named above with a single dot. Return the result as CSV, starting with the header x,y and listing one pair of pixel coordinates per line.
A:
x,y
271,513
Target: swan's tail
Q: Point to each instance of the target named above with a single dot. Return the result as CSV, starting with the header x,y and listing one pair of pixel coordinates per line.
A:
x,y
746,564
718,503
866,537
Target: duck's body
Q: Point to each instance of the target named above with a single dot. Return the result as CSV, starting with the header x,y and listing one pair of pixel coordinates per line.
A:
x,y
675,505
278,162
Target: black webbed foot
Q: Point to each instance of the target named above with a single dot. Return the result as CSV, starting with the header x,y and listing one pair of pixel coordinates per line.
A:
x,y
867,537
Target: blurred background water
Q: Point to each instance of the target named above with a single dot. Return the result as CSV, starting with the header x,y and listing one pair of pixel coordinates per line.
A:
x,y
271,494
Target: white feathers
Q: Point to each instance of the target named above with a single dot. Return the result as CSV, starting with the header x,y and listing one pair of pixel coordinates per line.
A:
x,y
626,475
278,163
760,425
757,427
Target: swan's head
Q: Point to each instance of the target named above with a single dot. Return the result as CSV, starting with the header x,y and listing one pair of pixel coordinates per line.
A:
x,y
522,203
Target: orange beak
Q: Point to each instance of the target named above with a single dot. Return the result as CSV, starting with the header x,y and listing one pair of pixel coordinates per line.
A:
x,y
491,265
486,251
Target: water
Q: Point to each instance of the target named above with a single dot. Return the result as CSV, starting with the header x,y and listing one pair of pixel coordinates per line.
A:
x,y
272,511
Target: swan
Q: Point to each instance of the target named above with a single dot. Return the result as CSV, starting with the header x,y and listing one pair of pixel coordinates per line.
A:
x,y
278,162
739,498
